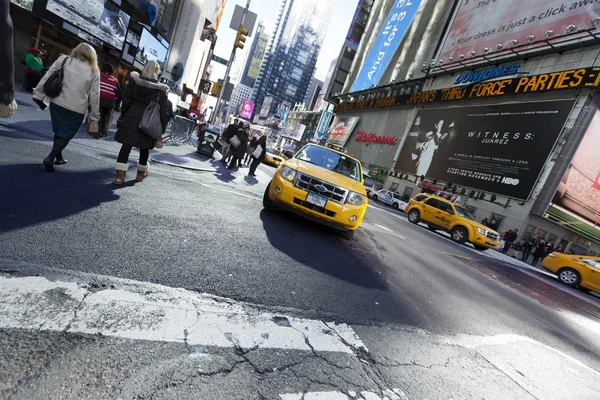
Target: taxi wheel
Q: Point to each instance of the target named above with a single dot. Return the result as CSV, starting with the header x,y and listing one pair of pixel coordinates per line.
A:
x,y
414,216
459,234
348,235
395,206
375,198
569,277
268,204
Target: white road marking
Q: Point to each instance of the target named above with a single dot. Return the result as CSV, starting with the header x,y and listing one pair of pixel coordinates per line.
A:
x,y
383,227
159,313
393,394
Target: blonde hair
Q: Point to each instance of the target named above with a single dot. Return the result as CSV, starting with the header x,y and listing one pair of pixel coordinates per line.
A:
x,y
151,70
85,52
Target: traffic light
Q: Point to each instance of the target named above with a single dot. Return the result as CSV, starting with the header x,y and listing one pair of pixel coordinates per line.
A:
x,y
216,89
240,38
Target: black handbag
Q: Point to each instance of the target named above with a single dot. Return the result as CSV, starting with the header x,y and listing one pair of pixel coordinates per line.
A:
x,y
53,85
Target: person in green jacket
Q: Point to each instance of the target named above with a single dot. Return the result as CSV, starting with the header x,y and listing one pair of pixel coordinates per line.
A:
x,y
33,69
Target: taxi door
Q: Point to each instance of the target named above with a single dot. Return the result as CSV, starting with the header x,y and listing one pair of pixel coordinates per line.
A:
x,y
592,273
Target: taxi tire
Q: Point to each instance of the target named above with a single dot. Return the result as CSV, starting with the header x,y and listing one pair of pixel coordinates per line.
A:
x,y
463,238
395,206
348,235
375,198
268,204
574,272
414,216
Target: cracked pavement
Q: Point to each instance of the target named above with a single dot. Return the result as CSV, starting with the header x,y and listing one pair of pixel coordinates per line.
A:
x,y
210,297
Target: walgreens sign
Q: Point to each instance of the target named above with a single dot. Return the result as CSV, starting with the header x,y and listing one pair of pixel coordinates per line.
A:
x,y
368,138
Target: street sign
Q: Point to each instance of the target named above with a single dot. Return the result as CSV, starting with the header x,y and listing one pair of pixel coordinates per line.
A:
x,y
236,20
219,59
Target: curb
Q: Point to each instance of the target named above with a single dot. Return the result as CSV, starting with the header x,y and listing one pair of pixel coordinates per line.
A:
x,y
183,166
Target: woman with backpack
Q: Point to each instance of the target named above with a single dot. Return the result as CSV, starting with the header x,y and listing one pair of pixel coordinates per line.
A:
x,y
138,94
80,89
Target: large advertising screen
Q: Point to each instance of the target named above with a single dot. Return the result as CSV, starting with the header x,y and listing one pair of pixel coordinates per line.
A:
x,y
576,204
100,18
341,129
246,109
481,24
393,29
264,35
26,4
150,49
499,149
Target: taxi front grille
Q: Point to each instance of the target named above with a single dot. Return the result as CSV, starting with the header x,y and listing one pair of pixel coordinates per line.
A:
x,y
313,207
325,189
492,236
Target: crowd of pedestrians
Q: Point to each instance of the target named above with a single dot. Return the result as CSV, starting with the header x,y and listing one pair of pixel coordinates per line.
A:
x,y
241,149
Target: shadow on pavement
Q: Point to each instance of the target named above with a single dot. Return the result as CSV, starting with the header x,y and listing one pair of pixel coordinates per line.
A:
x,y
321,248
38,196
39,129
251,180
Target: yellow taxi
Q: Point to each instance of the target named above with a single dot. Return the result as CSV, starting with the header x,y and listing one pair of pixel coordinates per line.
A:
x,y
273,157
575,270
441,214
321,184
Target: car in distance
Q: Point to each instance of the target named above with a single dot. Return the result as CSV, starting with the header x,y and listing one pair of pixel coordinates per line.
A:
x,y
441,214
321,184
389,198
573,270
273,157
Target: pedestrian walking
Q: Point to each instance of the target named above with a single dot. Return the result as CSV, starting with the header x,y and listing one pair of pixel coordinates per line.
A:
x,y
251,147
139,92
260,143
230,132
34,66
509,238
238,152
8,105
80,90
108,92
540,252
549,247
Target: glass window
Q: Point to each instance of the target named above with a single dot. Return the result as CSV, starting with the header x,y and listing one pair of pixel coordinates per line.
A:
x,y
463,212
594,263
331,160
420,197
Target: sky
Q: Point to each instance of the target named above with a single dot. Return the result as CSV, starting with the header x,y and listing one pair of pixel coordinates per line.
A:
x,y
267,9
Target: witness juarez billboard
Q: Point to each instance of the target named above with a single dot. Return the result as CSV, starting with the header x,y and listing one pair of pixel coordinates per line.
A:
x,y
498,149
576,204
389,37
481,24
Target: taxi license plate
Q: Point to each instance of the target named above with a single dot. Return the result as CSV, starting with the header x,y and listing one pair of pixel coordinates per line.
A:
x,y
316,200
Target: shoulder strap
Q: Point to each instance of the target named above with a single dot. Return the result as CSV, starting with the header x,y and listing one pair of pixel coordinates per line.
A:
x,y
64,61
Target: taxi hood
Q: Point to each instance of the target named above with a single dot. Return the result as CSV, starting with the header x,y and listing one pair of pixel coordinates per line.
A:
x,y
326,175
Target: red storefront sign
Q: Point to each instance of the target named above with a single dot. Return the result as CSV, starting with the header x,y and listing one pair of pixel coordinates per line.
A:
x,y
368,138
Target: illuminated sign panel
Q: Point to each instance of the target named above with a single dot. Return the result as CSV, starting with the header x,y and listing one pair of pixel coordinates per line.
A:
x,y
571,79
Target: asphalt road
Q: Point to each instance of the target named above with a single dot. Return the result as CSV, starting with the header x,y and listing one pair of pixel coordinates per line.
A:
x,y
198,231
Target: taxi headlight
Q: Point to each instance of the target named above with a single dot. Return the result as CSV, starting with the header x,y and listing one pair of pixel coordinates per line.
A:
x,y
482,232
355,198
288,174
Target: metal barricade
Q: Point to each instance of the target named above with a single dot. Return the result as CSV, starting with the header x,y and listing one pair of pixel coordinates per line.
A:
x,y
181,131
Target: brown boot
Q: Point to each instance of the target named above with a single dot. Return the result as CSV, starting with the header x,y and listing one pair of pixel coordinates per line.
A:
x,y
121,172
142,172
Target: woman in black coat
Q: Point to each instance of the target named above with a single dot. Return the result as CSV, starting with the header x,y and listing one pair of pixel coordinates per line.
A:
x,y
262,143
540,252
138,93
240,151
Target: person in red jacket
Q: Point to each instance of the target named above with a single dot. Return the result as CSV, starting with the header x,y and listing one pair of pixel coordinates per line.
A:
x,y
108,91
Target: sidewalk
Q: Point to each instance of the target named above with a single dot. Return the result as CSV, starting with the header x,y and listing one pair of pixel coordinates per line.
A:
x,y
29,118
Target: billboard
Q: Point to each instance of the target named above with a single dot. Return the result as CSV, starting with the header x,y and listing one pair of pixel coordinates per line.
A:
x,y
499,149
246,109
576,204
294,131
266,107
388,39
351,40
322,126
341,129
100,18
263,38
150,49
26,4
481,24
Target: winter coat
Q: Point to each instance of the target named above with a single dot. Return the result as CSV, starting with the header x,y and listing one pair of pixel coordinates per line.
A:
x,y
7,82
540,250
108,90
240,151
34,65
80,87
229,132
263,144
138,93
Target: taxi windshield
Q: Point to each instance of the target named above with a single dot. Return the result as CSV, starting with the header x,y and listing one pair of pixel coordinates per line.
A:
x,y
463,212
331,160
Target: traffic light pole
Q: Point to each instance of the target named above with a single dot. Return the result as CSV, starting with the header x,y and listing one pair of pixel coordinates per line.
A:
x,y
217,111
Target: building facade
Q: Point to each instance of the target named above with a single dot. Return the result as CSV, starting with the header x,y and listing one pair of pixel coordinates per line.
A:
x,y
312,93
290,60
506,118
